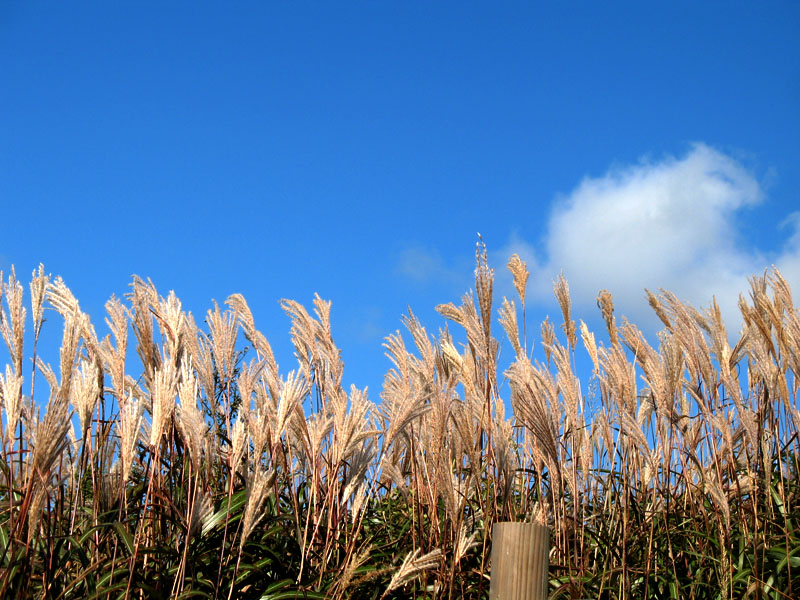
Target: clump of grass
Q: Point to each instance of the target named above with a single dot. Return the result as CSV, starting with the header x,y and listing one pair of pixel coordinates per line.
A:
x,y
210,472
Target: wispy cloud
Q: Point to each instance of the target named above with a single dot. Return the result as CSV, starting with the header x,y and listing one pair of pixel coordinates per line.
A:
x,y
426,266
673,224
369,328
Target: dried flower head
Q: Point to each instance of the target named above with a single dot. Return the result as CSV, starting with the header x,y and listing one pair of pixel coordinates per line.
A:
x,y
561,289
519,270
606,304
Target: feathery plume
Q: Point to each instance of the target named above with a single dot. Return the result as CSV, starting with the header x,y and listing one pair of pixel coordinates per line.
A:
x,y
591,345
561,289
606,304
190,421
222,330
130,423
85,392
239,306
548,337
257,491
51,435
519,270
11,391
238,438
508,319
12,323
413,566
38,287
165,382
484,282
658,307
114,356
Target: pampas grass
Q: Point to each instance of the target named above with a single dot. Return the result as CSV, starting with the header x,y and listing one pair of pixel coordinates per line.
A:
x,y
673,472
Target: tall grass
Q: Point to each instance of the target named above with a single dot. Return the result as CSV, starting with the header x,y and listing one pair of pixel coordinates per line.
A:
x,y
210,472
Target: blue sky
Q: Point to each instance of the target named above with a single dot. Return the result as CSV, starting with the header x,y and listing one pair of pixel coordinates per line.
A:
x,y
355,150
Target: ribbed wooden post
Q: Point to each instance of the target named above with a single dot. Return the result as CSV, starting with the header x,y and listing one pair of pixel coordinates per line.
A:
x,y
520,561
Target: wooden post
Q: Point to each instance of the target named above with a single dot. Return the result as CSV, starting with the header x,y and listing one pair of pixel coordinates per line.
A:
x,y
520,561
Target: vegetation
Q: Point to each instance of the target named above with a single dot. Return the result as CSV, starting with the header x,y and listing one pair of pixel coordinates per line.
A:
x,y
212,474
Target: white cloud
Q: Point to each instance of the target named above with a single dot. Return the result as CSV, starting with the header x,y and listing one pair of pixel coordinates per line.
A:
x,y
672,224
789,260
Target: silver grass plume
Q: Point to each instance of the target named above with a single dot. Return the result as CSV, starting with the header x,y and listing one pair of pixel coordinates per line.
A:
x,y
11,392
257,490
202,508
484,282
51,435
561,289
464,543
190,422
114,356
222,328
413,566
356,560
84,392
202,357
508,320
143,297
591,346
294,390
38,287
130,423
162,395
172,321
238,438
12,323
519,270
606,304
238,304
548,337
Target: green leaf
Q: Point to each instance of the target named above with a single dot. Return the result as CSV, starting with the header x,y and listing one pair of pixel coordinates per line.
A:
x,y
127,538
237,501
281,590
